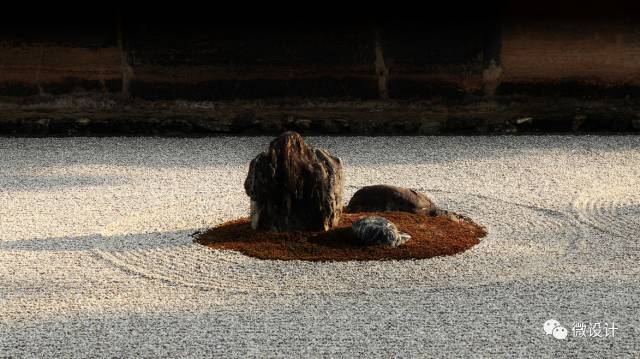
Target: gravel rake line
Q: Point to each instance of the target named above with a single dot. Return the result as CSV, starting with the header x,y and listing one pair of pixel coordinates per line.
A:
x,y
612,210
190,265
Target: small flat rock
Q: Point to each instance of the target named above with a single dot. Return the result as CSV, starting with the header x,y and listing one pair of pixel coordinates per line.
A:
x,y
377,230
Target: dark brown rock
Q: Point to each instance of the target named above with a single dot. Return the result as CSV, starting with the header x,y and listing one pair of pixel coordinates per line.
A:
x,y
385,198
294,187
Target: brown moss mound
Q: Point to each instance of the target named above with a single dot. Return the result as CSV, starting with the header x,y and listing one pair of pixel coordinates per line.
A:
x,y
431,236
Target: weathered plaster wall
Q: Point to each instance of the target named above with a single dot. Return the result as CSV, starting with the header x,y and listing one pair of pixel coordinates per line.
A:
x,y
584,57
492,70
441,59
38,69
200,62
160,59
49,57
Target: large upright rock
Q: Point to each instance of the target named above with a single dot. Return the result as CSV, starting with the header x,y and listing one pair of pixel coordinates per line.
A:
x,y
294,187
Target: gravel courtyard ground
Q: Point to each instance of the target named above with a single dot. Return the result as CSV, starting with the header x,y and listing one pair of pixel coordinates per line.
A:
x,y
96,257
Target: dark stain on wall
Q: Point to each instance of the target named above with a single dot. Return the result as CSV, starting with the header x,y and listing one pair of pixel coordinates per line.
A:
x,y
434,59
246,61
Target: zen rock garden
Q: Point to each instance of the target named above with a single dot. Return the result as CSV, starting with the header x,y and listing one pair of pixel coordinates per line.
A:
x,y
297,212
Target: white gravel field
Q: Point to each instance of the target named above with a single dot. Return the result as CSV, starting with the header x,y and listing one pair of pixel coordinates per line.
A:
x,y
96,257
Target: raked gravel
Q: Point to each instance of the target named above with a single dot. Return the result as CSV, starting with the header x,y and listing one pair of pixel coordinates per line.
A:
x,y
96,257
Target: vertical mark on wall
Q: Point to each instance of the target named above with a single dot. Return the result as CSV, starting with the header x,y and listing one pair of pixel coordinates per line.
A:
x,y
125,67
381,70
491,78
41,54
491,55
